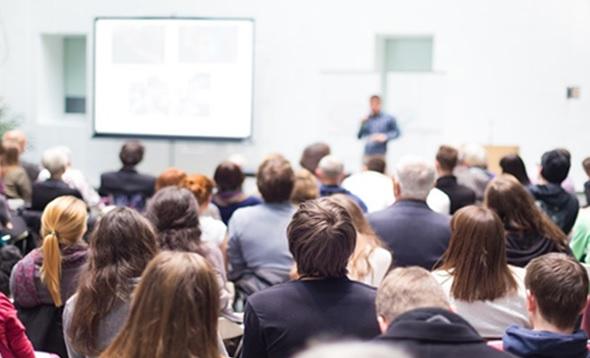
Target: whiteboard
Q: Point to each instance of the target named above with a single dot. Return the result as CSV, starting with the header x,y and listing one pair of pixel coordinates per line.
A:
x,y
173,77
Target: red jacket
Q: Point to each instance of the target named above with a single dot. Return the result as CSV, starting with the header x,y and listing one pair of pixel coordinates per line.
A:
x,y
13,340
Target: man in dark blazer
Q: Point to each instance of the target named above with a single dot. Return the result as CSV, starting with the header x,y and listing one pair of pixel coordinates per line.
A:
x,y
128,187
55,161
446,160
416,235
415,316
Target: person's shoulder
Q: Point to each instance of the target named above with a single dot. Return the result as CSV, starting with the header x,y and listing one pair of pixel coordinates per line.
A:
x,y
271,294
251,200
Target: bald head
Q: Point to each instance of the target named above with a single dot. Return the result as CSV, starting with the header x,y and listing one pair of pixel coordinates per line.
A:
x,y
15,137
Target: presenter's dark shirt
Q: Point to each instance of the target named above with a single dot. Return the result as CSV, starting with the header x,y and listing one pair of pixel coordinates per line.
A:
x,y
379,123
279,321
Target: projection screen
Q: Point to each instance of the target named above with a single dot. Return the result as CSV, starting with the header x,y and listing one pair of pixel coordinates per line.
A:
x,y
173,77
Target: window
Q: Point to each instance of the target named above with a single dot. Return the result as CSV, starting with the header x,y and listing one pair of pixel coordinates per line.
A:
x,y
402,54
74,74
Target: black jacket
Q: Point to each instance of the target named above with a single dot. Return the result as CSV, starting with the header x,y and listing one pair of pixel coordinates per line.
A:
x,y
521,248
459,195
415,234
434,332
561,206
45,191
127,187
281,320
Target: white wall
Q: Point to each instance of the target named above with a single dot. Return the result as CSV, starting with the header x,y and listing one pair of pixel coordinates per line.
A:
x,y
503,65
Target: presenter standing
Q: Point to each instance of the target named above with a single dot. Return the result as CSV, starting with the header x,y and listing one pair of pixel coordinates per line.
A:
x,y
379,128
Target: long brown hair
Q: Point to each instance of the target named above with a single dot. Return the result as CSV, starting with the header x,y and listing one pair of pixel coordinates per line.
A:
x,y
63,222
518,211
174,311
367,241
121,246
476,256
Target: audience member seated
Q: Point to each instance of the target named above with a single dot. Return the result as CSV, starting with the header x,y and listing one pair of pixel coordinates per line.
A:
x,y
312,154
121,246
74,178
586,166
415,316
170,177
416,235
557,292
258,249
55,162
529,232
352,350
446,161
323,302
174,213
212,230
471,170
561,206
372,186
127,187
481,286
173,311
18,138
48,276
13,340
10,255
330,173
370,261
305,188
16,182
229,178
514,165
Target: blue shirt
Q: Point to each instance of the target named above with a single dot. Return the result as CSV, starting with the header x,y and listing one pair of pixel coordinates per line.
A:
x,y
328,190
258,238
378,123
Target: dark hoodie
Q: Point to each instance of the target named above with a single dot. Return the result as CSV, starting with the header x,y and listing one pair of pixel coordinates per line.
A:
x,y
435,332
527,343
521,248
561,206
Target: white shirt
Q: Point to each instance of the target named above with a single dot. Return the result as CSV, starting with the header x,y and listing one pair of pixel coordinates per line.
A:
x,y
438,201
380,262
491,318
374,189
212,230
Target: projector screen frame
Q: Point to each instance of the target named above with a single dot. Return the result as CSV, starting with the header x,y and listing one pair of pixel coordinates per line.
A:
x,y
95,134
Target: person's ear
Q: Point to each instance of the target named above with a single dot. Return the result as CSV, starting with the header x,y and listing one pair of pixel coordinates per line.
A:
x,y
531,303
397,190
318,173
383,325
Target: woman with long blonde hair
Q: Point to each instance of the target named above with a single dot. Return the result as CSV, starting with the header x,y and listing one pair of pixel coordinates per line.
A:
x,y
49,274
370,261
173,312
43,280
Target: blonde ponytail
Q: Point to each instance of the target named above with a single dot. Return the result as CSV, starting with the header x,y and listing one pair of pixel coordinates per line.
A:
x,y
63,222
51,267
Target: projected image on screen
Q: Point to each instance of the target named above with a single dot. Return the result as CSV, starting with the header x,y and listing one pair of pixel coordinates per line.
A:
x,y
173,77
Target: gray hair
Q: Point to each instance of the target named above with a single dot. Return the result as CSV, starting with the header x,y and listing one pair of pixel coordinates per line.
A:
x,y
416,177
55,160
473,155
331,167
408,288
352,350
